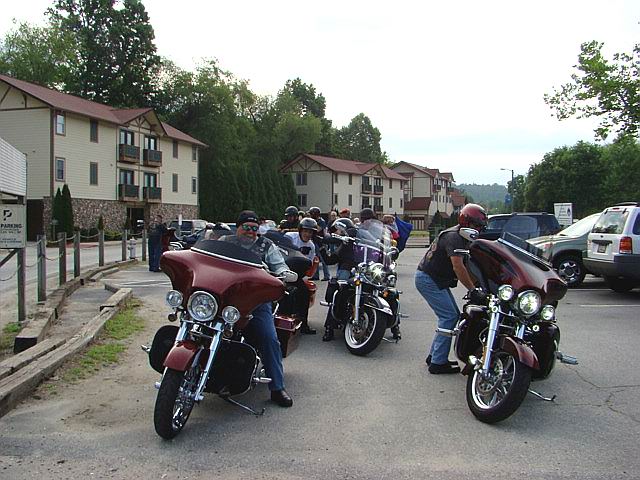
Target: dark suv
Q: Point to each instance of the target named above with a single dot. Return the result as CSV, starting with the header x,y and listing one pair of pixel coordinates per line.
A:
x,y
524,225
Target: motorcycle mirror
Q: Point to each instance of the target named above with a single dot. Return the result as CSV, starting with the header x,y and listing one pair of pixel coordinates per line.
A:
x,y
469,234
394,253
289,277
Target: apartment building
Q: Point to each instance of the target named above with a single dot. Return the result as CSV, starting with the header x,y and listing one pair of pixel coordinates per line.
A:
x,y
123,164
426,191
333,183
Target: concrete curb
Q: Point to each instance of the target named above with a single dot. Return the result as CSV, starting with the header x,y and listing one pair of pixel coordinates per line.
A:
x,y
38,327
20,383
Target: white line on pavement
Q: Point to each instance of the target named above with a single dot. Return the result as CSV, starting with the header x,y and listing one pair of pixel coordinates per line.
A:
x,y
607,306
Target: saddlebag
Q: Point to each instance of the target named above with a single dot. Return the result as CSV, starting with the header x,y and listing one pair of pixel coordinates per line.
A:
x,y
288,330
233,369
162,344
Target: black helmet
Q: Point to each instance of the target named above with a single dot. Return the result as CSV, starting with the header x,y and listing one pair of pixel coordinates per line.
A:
x,y
314,211
342,225
291,210
308,223
221,227
366,214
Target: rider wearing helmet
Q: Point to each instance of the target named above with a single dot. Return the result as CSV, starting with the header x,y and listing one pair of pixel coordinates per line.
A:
x,y
438,271
366,214
290,221
303,240
314,212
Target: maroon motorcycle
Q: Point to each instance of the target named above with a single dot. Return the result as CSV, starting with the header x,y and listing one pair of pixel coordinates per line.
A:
x,y
216,285
507,335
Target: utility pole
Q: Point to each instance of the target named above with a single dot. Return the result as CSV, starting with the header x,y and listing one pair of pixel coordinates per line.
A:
x,y
511,185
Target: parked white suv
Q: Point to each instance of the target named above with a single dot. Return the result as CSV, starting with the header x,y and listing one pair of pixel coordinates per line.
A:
x,y
613,246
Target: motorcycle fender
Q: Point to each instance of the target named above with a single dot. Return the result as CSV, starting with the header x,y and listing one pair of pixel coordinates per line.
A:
x,y
523,353
379,304
181,356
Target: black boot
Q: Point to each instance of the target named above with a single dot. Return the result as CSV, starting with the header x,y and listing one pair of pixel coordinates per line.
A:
x,y
306,329
328,334
396,332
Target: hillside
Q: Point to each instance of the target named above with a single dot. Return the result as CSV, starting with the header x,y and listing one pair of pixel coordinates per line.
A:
x,y
484,194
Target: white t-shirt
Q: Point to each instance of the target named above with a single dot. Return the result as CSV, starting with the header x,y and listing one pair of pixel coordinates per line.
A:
x,y
297,241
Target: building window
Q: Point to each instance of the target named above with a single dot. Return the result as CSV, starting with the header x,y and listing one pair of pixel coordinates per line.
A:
x,y
93,173
60,169
151,143
335,199
350,180
150,180
335,178
390,184
61,128
401,202
175,149
301,178
126,177
377,202
127,138
93,131
194,185
302,199
390,202
377,182
194,154
174,182
350,200
365,202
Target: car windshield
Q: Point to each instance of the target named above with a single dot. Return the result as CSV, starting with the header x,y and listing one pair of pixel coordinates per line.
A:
x,y
497,223
522,226
611,221
581,227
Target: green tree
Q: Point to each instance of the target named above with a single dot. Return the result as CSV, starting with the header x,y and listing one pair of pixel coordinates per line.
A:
x,y
602,88
518,190
57,213
622,166
41,55
66,220
359,141
116,61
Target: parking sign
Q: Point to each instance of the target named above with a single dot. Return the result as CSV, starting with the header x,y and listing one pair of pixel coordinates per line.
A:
x,y
13,228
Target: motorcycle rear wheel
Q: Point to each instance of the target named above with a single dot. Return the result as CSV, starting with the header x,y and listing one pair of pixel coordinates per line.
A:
x,y
175,401
493,399
364,340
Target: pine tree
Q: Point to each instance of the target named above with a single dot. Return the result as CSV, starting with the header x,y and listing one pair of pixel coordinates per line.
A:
x,y
66,222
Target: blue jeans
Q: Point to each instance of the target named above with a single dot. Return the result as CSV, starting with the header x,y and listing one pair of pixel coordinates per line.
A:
x,y
444,306
325,270
262,328
343,274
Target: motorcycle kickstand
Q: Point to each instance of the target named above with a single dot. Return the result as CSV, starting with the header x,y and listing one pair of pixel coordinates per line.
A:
x,y
391,340
244,407
546,399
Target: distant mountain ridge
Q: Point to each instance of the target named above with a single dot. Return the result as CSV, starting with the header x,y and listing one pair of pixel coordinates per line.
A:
x,y
485,194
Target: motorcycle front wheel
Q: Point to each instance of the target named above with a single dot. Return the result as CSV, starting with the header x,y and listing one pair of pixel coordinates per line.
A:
x,y
496,397
364,339
176,398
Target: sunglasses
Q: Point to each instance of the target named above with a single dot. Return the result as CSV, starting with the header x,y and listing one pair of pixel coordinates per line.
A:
x,y
249,228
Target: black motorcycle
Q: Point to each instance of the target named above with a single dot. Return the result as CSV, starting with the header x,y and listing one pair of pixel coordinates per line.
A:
x,y
368,303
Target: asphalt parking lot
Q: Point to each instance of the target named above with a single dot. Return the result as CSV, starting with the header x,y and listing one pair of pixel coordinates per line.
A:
x,y
382,416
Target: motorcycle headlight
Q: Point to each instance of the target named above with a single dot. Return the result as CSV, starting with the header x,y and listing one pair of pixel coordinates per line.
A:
x,y
375,272
202,306
548,313
230,315
529,302
505,292
174,298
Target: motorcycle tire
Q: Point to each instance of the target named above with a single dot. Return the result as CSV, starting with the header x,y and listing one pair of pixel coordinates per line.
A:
x,y
172,409
362,343
493,402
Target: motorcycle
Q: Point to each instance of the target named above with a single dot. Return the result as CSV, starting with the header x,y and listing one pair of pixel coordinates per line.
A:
x,y
507,335
216,285
368,303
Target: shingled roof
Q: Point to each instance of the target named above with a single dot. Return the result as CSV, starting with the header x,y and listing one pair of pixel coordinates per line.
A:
x,y
348,166
95,110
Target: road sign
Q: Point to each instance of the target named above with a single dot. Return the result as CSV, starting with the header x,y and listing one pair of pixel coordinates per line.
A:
x,y
13,227
507,199
564,213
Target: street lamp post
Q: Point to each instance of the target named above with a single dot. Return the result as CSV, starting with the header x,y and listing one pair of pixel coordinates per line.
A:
x,y
511,188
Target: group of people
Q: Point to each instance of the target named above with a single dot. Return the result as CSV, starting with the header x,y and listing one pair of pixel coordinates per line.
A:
x,y
438,271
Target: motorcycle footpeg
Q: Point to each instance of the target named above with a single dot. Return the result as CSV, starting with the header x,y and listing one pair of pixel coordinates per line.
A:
x,y
325,304
145,348
403,315
446,332
568,359
157,385
262,379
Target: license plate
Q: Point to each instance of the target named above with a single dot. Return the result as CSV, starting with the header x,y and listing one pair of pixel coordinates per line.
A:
x,y
602,248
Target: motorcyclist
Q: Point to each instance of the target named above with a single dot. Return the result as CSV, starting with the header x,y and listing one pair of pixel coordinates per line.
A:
x,y
344,257
439,271
261,325
314,213
300,297
157,231
290,221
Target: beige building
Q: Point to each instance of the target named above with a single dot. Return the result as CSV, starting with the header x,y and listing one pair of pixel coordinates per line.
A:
x,y
333,183
426,192
123,164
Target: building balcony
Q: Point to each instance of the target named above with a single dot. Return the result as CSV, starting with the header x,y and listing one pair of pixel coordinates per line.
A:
x,y
449,190
437,188
366,188
378,189
152,158
128,193
377,208
128,153
366,205
152,194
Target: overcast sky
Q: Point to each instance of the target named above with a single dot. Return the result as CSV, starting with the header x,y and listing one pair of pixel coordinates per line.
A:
x,y
451,85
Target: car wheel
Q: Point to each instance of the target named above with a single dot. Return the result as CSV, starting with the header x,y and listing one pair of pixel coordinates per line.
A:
x,y
570,269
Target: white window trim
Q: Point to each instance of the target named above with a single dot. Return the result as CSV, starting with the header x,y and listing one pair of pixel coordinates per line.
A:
x,y
64,169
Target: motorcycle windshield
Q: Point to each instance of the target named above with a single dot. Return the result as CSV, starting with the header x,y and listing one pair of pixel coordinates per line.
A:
x,y
234,275
373,243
